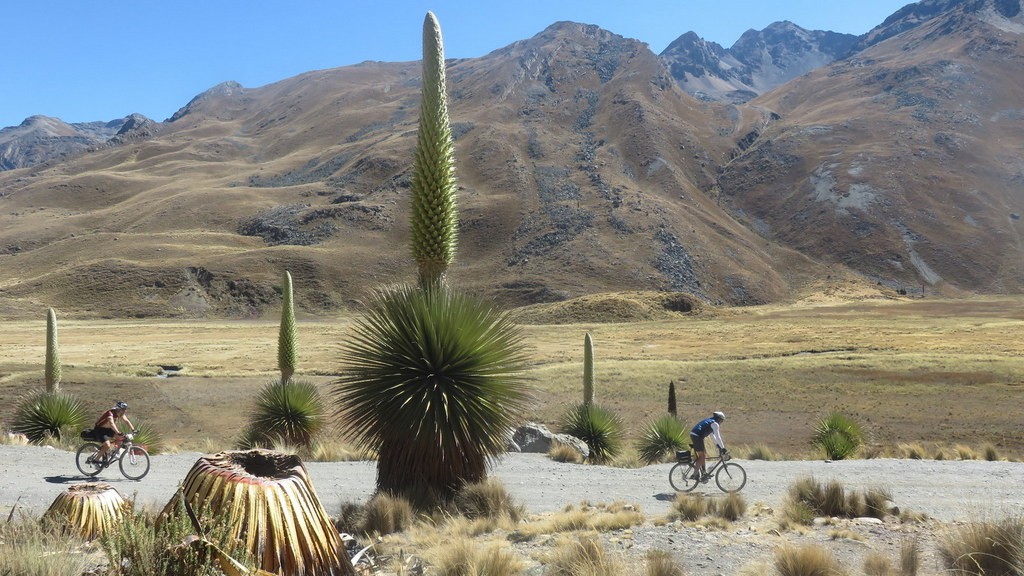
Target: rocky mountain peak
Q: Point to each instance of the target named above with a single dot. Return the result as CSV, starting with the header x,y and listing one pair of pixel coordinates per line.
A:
x,y
759,61
212,100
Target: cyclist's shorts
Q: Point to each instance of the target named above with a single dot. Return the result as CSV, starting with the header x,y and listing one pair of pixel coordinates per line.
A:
x,y
103,434
698,442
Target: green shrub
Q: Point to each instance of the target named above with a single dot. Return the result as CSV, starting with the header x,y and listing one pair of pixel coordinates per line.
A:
x,y
599,427
662,438
838,436
48,415
289,412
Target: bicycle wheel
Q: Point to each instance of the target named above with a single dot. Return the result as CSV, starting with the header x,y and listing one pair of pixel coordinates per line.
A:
x,y
86,451
680,478
135,463
731,477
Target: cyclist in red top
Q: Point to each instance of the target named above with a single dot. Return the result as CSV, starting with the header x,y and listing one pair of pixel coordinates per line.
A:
x,y
106,427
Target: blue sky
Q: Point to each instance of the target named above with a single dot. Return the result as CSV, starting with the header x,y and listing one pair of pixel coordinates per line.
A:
x,y
82,60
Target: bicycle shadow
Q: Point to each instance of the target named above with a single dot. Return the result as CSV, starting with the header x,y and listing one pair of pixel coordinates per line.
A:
x,y
65,479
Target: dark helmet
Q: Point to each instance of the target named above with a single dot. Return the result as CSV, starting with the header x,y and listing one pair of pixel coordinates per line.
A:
x,y
120,405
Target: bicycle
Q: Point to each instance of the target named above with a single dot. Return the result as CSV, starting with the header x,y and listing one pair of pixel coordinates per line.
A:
x,y
729,476
133,460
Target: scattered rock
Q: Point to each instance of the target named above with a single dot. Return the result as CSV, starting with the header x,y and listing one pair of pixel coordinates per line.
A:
x,y
536,438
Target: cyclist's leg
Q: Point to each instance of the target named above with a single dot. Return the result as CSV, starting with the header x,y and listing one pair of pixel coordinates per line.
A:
x,y
698,446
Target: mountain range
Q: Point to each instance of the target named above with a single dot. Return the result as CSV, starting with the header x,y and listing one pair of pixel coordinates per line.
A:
x,y
792,161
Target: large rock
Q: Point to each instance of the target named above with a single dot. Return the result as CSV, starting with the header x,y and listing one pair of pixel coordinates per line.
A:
x,y
536,438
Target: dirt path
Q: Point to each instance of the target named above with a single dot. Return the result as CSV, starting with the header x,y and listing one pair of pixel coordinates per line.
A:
x,y
946,490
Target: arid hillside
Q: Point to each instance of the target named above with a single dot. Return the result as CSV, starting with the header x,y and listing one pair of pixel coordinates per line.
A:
x,y
583,168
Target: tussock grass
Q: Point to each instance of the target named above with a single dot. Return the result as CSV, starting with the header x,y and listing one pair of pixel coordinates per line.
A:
x,y
965,452
990,452
488,499
693,507
600,518
806,561
582,556
661,563
759,452
985,548
12,439
387,514
564,453
877,564
844,534
913,451
910,557
809,497
462,556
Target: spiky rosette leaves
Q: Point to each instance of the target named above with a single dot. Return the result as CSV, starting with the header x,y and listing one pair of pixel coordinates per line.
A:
x,y
661,438
838,435
287,355
433,382
599,427
434,216
53,368
588,369
292,413
44,414
92,509
269,504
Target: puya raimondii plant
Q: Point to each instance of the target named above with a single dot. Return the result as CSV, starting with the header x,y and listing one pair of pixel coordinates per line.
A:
x,y
433,380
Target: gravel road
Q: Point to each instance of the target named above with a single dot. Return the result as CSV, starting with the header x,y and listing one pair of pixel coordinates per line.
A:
x,y
32,477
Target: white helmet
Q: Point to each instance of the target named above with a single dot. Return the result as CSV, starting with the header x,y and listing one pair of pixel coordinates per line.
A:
x,y
720,416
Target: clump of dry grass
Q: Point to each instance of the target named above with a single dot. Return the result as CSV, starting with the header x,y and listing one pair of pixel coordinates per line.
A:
x,y
877,564
910,557
462,556
628,459
661,563
600,518
12,439
564,453
386,514
990,453
760,452
913,451
844,534
488,499
965,452
691,507
583,556
986,548
806,561
808,497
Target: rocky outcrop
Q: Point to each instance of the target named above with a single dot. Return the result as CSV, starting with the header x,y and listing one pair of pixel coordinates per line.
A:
x,y
536,438
41,139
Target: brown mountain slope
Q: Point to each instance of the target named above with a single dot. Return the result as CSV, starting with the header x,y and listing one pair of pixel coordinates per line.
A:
x,y
582,169
905,161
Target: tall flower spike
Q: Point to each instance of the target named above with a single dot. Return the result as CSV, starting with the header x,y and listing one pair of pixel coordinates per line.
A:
x,y
434,216
287,357
52,353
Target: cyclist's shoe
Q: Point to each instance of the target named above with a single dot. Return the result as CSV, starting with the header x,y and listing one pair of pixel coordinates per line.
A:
x,y
90,460
705,478
695,477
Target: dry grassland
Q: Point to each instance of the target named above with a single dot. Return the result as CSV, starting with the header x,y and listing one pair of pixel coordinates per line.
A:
x,y
940,372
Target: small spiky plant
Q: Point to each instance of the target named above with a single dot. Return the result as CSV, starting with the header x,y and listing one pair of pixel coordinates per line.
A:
x,y
45,414
53,367
270,505
92,509
838,435
599,427
588,370
661,438
287,357
292,413
434,216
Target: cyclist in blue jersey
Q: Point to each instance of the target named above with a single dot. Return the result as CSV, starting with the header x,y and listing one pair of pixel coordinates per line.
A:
x,y
703,429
